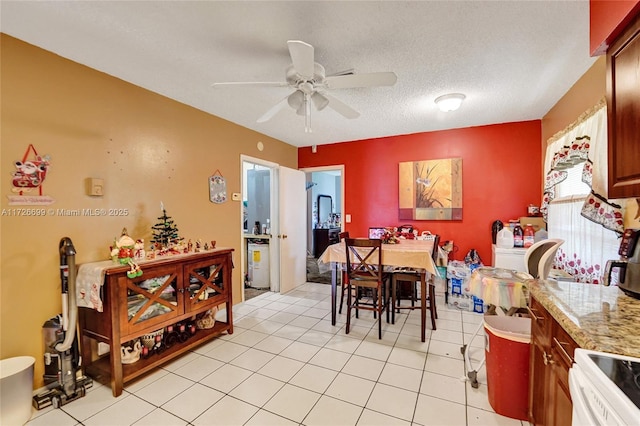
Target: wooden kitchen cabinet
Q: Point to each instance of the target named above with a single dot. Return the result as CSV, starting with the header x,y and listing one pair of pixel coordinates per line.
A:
x,y
623,110
538,373
172,290
551,357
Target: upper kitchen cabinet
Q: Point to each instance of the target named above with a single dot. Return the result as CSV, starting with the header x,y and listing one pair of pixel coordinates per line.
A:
x,y
623,106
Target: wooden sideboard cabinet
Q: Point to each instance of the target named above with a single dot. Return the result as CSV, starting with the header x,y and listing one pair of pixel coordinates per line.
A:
x,y
623,110
323,238
171,290
551,358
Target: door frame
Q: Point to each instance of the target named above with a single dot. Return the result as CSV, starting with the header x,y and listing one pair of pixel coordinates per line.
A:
x,y
274,256
339,167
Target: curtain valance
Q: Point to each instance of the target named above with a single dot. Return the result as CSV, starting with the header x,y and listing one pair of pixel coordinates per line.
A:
x,y
585,141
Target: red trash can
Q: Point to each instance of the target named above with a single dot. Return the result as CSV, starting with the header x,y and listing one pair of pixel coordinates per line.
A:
x,y
507,343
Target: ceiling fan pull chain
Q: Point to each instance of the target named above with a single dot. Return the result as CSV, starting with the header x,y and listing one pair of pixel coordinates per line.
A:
x,y
307,113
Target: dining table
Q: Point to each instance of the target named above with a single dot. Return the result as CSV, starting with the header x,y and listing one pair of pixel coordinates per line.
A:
x,y
412,254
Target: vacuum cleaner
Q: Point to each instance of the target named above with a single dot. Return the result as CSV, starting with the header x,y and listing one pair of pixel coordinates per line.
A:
x,y
63,376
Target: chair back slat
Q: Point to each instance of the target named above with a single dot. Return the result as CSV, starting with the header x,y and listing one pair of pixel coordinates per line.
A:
x,y
364,258
436,245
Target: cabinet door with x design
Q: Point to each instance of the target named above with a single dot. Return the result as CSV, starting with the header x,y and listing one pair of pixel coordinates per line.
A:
x,y
152,299
205,283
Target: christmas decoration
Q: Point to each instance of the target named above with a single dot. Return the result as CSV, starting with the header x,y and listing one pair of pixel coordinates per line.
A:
x,y
165,232
28,177
389,237
123,248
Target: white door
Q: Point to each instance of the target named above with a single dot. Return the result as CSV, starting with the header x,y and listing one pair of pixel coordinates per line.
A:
x,y
292,233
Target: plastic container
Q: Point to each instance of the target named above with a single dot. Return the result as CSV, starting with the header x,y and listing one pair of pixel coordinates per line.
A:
x,y
518,236
504,238
529,236
507,364
16,389
541,234
495,228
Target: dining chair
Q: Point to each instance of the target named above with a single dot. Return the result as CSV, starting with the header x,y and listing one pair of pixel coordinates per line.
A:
x,y
404,284
365,272
343,269
538,258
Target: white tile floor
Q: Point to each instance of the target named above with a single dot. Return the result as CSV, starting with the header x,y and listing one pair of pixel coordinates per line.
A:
x,y
285,364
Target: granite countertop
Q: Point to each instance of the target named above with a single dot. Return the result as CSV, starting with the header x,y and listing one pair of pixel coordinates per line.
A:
x,y
596,317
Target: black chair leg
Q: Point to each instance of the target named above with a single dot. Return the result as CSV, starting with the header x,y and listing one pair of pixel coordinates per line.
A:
x,y
379,307
393,300
386,299
432,306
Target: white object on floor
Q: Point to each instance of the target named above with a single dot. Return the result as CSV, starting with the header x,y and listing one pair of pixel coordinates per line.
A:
x,y
16,389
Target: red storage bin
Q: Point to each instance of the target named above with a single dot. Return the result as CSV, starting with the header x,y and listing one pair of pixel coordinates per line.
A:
x,y
507,362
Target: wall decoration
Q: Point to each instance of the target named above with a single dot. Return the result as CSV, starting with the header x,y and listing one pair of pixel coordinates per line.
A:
x,y
217,188
430,189
29,175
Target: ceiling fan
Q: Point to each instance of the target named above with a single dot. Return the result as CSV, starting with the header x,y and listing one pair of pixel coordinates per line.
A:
x,y
310,85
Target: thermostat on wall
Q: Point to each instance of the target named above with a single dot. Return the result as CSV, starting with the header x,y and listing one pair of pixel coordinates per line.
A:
x,y
94,187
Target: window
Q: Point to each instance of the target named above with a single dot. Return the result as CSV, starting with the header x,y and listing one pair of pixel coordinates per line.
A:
x,y
574,208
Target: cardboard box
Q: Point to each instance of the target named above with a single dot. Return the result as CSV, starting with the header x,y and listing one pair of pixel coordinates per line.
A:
x,y
537,222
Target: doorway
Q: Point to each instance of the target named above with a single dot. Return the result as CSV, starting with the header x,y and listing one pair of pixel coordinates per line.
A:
x,y
273,227
257,180
325,189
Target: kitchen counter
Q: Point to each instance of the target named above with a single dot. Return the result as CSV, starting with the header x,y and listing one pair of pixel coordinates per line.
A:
x,y
596,317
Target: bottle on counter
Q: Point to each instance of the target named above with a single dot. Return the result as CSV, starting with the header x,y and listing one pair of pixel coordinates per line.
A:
x,y
518,236
495,228
529,235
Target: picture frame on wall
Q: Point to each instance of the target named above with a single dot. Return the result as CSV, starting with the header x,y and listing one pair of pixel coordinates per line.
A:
x,y
430,189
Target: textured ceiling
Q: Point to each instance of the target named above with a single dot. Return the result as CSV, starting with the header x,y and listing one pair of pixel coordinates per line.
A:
x,y
512,59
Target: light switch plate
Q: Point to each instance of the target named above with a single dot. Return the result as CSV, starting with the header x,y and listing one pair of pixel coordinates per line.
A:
x,y
347,218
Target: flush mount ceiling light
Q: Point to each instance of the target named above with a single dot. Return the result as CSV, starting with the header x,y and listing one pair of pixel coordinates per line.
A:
x,y
450,102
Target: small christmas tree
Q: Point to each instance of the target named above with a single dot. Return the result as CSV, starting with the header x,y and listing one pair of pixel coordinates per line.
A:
x,y
165,231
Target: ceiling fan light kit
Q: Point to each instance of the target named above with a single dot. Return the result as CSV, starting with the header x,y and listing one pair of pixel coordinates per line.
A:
x,y
309,82
450,102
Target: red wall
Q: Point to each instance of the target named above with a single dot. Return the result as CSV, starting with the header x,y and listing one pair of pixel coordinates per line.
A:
x,y
606,19
501,176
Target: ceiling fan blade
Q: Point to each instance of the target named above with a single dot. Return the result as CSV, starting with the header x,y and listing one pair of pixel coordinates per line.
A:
x,y
273,110
361,80
340,107
250,83
302,57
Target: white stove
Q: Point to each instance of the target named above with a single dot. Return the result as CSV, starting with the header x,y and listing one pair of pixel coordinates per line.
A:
x,y
605,389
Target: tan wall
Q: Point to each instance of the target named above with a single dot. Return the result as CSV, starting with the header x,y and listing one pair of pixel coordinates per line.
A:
x,y
147,148
584,94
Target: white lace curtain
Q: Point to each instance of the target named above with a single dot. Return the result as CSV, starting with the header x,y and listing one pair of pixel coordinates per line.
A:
x,y
585,142
589,224
587,245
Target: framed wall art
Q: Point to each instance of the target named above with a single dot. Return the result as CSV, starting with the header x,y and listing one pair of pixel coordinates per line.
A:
x,y
430,189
